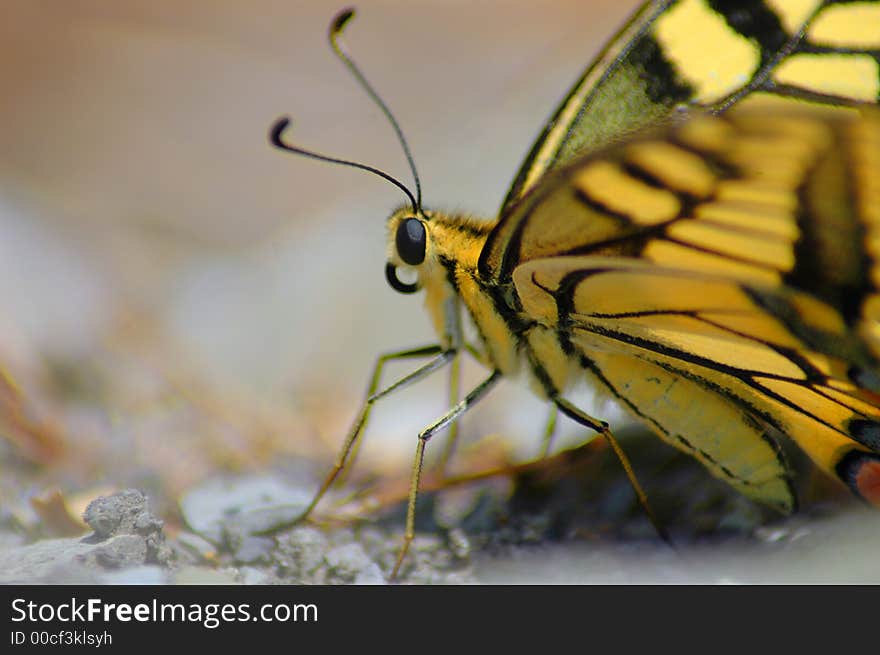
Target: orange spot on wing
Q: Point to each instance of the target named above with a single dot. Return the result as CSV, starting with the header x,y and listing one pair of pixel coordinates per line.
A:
x,y
867,481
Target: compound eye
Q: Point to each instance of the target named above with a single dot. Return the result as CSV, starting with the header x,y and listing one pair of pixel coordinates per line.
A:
x,y
410,241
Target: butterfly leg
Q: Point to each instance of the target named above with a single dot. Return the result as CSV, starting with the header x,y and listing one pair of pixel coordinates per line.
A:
x,y
440,358
579,416
549,431
424,436
454,393
454,396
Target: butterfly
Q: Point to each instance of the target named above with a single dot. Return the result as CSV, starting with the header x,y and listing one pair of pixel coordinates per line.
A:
x,y
695,232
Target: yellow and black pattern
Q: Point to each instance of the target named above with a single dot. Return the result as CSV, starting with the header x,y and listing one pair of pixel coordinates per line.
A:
x,y
693,274
775,199
711,54
716,273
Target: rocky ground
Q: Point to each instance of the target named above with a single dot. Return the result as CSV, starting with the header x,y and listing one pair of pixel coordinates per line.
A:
x,y
571,519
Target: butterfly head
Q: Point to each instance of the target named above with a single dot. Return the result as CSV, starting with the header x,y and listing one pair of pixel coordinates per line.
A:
x,y
432,250
409,246
436,253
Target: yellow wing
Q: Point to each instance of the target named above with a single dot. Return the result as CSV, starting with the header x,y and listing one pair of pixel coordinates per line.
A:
x,y
720,280
710,55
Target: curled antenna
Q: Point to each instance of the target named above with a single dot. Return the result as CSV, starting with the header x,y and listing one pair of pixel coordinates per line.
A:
x,y
280,125
335,32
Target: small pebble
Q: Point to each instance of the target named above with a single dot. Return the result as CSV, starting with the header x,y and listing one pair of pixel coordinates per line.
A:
x,y
255,550
202,549
306,545
125,512
347,561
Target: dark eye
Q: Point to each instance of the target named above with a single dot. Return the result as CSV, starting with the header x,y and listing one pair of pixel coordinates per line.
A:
x,y
410,241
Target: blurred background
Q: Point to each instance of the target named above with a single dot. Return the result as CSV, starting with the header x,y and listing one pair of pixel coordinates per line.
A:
x,y
176,297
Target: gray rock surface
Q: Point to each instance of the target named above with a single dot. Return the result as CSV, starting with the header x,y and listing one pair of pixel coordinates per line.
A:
x,y
129,546
126,536
221,509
